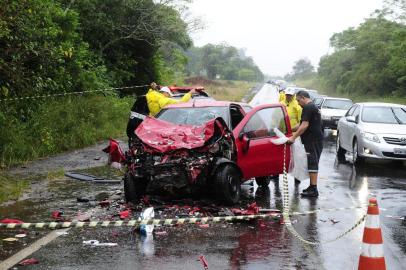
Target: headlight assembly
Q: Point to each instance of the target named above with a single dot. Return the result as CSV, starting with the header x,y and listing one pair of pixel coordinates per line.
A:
x,y
370,137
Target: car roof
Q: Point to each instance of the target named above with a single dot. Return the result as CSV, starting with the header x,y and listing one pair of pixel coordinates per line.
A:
x,y
337,98
381,104
204,103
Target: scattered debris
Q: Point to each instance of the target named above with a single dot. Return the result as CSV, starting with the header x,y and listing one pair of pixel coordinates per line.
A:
x,y
396,217
91,178
96,243
61,233
147,214
10,239
252,209
202,259
125,214
333,221
97,158
204,226
10,220
30,261
58,215
161,233
323,220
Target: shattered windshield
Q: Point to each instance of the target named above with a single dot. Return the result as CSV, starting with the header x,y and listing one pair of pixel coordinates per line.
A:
x,y
193,116
340,104
384,115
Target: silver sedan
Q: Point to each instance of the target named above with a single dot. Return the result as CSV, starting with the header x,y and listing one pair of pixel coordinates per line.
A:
x,y
373,130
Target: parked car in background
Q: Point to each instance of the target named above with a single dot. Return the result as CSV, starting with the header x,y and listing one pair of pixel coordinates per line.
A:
x,y
318,101
373,130
312,93
332,109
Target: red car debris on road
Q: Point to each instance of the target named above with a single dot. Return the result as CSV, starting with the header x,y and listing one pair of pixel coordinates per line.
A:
x,y
203,146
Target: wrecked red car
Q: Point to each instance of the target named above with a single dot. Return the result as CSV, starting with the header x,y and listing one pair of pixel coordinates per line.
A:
x,y
204,146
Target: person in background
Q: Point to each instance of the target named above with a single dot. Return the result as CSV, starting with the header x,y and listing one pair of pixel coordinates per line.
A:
x,y
282,95
311,134
158,99
293,108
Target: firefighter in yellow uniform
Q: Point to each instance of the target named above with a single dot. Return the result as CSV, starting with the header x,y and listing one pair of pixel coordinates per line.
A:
x,y
293,108
158,99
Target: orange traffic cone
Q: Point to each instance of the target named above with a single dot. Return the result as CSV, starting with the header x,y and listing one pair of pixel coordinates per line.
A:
x,y
372,244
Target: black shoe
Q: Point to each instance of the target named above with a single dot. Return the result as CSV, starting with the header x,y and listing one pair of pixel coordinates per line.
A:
x,y
307,189
310,193
297,181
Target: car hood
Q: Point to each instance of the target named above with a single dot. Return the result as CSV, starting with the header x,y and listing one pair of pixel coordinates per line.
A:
x,y
164,136
384,128
333,112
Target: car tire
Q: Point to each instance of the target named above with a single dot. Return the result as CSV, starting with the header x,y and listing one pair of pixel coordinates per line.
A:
x,y
356,158
340,151
134,188
228,184
263,181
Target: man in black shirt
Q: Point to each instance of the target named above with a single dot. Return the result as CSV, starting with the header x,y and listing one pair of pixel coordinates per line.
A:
x,y
311,134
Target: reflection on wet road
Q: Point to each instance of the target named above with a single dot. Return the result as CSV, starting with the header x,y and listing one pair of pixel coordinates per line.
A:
x,y
257,244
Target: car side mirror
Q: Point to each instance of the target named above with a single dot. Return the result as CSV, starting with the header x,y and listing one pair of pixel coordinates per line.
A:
x,y
245,142
351,119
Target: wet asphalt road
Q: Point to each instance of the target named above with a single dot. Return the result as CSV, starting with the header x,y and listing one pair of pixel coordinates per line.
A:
x,y
252,245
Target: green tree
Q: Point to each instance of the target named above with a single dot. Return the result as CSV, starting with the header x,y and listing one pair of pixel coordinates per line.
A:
x,y
302,68
41,51
222,60
128,35
367,59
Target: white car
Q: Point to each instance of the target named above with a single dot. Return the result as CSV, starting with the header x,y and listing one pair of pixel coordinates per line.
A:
x,y
332,109
373,130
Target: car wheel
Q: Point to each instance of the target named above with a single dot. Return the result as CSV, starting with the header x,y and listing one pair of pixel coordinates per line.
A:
x,y
134,188
356,159
228,184
263,181
340,151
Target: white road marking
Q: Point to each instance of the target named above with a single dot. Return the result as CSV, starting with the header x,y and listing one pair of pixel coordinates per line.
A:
x,y
19,256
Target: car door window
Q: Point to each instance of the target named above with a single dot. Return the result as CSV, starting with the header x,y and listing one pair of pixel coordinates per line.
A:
x,y
356,113
236,116
351,110
263,122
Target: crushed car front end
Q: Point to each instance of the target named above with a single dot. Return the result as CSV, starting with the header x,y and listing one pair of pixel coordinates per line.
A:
x,y
172,160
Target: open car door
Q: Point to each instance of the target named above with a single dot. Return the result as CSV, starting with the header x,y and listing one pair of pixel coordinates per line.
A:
x,y
257,156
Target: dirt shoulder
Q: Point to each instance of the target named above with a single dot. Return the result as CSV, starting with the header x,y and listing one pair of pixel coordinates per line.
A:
x,y
88,157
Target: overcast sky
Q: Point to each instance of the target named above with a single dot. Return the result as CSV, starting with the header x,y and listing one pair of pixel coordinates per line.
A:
x,y
276,33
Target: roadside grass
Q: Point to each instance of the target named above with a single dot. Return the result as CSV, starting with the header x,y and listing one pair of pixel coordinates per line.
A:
x,y
227,90
62,124
11,187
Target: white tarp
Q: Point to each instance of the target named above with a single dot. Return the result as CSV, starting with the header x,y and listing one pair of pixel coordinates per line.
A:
x,y
267,94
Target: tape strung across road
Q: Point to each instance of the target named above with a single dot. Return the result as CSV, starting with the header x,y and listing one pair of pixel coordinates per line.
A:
x,y
133,223
164,222
72,93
